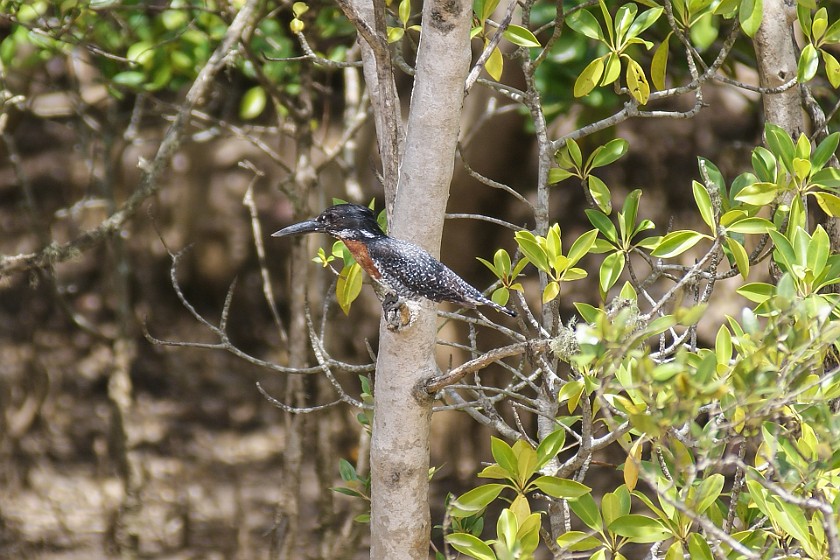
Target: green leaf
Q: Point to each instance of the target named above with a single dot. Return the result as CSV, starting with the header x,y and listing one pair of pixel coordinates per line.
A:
x,y
609,152
611,270
742,260
590,77
708,492
495,64
637,82
405,11
808,63
819,24
571,391
676,243
574,152
758,194
557,174
758,226
600,194
749,15
500,296
299,8
588,312
723,346
781,144
645,20
347,492
581,246
623,18
628,213
347,470
612,69
824,151
828,202
698,548
504,456
575,541
470,545
659,64
551,291
520,36
585,23
832,35
603,224
640,528
475,500
759,292
587,511
550,446
704,204
348,286
832,68
487,8
531,249
253,103
129,78
507,527
827,178
395,34
561,487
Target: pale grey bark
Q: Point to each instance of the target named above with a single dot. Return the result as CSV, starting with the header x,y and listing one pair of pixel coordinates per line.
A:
x,y
776,60
400,522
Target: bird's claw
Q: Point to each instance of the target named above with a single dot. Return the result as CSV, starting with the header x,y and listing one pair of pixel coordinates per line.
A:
x,y
398,313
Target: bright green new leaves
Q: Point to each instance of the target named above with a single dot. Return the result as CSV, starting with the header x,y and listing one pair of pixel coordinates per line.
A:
x,y
570,164
517,467
820,35
546,253
622,32
619,242
404,15
788,166
253,103
516,34
501,267
298,9
749,15
807,263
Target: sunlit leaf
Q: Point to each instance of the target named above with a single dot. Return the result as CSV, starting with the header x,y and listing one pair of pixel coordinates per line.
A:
x,y
495,64
589,78
520,36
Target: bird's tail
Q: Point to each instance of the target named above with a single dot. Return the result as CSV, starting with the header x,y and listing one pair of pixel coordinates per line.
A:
x,y
499,308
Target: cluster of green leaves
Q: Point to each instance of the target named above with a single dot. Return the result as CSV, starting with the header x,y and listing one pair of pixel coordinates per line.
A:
x,y
768,378
355,486
404,16
622,33
507,273
820,36
484,29
153,50
570,163
546,254
349,283
517,468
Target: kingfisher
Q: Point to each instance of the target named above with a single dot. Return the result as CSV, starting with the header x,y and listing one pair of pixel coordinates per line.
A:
x,y
402,268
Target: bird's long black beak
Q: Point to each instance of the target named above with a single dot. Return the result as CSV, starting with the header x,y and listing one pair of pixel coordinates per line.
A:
x,y
308,226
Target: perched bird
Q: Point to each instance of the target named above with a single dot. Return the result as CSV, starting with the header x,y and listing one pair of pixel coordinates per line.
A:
x,y
402,268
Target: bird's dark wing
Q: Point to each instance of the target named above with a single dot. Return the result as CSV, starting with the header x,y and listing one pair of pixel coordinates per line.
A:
x,y
412,272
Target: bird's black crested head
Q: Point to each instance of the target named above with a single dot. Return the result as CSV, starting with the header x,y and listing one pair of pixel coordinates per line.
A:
x,y
345,221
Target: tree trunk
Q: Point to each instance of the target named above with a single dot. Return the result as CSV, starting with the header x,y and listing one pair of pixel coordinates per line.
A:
x,y
776,61
400,522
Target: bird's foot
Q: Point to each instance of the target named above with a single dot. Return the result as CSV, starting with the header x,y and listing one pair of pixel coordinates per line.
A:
x,y
399,314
